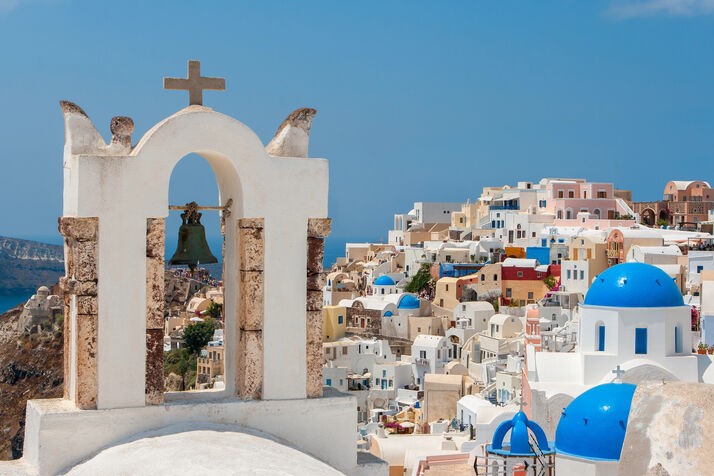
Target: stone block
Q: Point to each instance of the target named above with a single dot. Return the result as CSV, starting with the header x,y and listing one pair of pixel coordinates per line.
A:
x,y
314,328
86,355
314,370
314,301
251,223
154,366
155,293
68,285
155,237
85,261
87,305
251,300
252,249
318,227
81,229
249,373
315,255
85,288
316,281
67,338
69,257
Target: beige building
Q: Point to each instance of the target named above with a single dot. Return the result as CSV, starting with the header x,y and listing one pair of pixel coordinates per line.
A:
x,y
449,290
334,323
441,392
209,364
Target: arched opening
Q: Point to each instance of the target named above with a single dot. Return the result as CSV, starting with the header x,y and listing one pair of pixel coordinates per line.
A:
x,y
568,213
194,344
600,336
597,213
455,351
648,217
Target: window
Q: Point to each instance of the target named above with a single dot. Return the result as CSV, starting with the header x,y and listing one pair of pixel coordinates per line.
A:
x,y
519,274
328,382
447,287
601,338
568,274
340,319
571,194
422,354
495,277
582,274
560,194
677,340
344,351
699,269
508,292
384,373
483,277
530,295
640,340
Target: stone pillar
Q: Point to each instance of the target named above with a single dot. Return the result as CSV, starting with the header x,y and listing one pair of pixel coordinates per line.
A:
x,y
249,351
317,230
81,316
155,238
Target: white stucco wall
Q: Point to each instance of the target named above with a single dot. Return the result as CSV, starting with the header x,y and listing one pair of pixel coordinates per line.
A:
x,y
123,191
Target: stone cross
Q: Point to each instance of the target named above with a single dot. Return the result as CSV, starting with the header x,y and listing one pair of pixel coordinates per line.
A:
x,y
195,83
618,374
521,403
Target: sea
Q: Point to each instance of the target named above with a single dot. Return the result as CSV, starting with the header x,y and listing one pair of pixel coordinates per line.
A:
x,y
334,248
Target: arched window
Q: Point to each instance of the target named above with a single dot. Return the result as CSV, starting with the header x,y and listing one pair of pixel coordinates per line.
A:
x,y
677,339
600,336
596,212
560,214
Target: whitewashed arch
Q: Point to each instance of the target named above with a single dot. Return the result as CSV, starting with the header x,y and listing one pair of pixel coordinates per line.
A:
x,y
124,189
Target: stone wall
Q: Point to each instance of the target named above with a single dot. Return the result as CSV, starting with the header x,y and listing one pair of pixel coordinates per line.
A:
x,y
317,230
155,239
249,351
81,309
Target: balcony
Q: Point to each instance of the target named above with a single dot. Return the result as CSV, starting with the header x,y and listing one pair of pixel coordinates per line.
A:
x,y
421,361
504,207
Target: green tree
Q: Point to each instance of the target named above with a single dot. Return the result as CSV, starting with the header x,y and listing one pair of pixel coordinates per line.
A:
x,y
182,363
420,280
196,336
214,310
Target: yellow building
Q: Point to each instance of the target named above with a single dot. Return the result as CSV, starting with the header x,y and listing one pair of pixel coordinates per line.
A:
x,y
334,323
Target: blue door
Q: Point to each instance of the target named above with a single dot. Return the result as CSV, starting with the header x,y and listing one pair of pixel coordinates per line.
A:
x,y
640,340
601,338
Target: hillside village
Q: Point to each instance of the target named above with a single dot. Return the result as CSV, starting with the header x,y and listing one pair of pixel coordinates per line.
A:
x,y
474,313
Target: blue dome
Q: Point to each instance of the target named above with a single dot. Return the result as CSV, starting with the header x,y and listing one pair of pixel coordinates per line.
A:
x,y
408,302
593,425
634,285
520,428
384,280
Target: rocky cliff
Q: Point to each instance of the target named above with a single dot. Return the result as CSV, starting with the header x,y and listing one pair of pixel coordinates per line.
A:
x,y
30,367
26,265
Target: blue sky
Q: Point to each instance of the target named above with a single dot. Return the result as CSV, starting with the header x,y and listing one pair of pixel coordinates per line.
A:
x,y
416,100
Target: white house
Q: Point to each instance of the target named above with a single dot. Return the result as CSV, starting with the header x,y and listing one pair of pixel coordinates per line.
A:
x,y
430,354
482,415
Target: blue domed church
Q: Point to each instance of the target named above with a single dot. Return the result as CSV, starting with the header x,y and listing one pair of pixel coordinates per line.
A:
x,y
633,326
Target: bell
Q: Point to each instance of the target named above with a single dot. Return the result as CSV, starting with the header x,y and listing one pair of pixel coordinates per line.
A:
x,y
192,247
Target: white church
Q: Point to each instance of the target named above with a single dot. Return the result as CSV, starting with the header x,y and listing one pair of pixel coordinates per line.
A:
x,y
633,325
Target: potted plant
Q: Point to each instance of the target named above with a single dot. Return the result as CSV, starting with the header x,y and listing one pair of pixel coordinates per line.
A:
x,y
710,350
701,348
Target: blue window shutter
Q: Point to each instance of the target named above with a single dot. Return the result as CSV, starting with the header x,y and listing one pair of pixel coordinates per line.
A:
x,y
677,341
640,340
601,338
